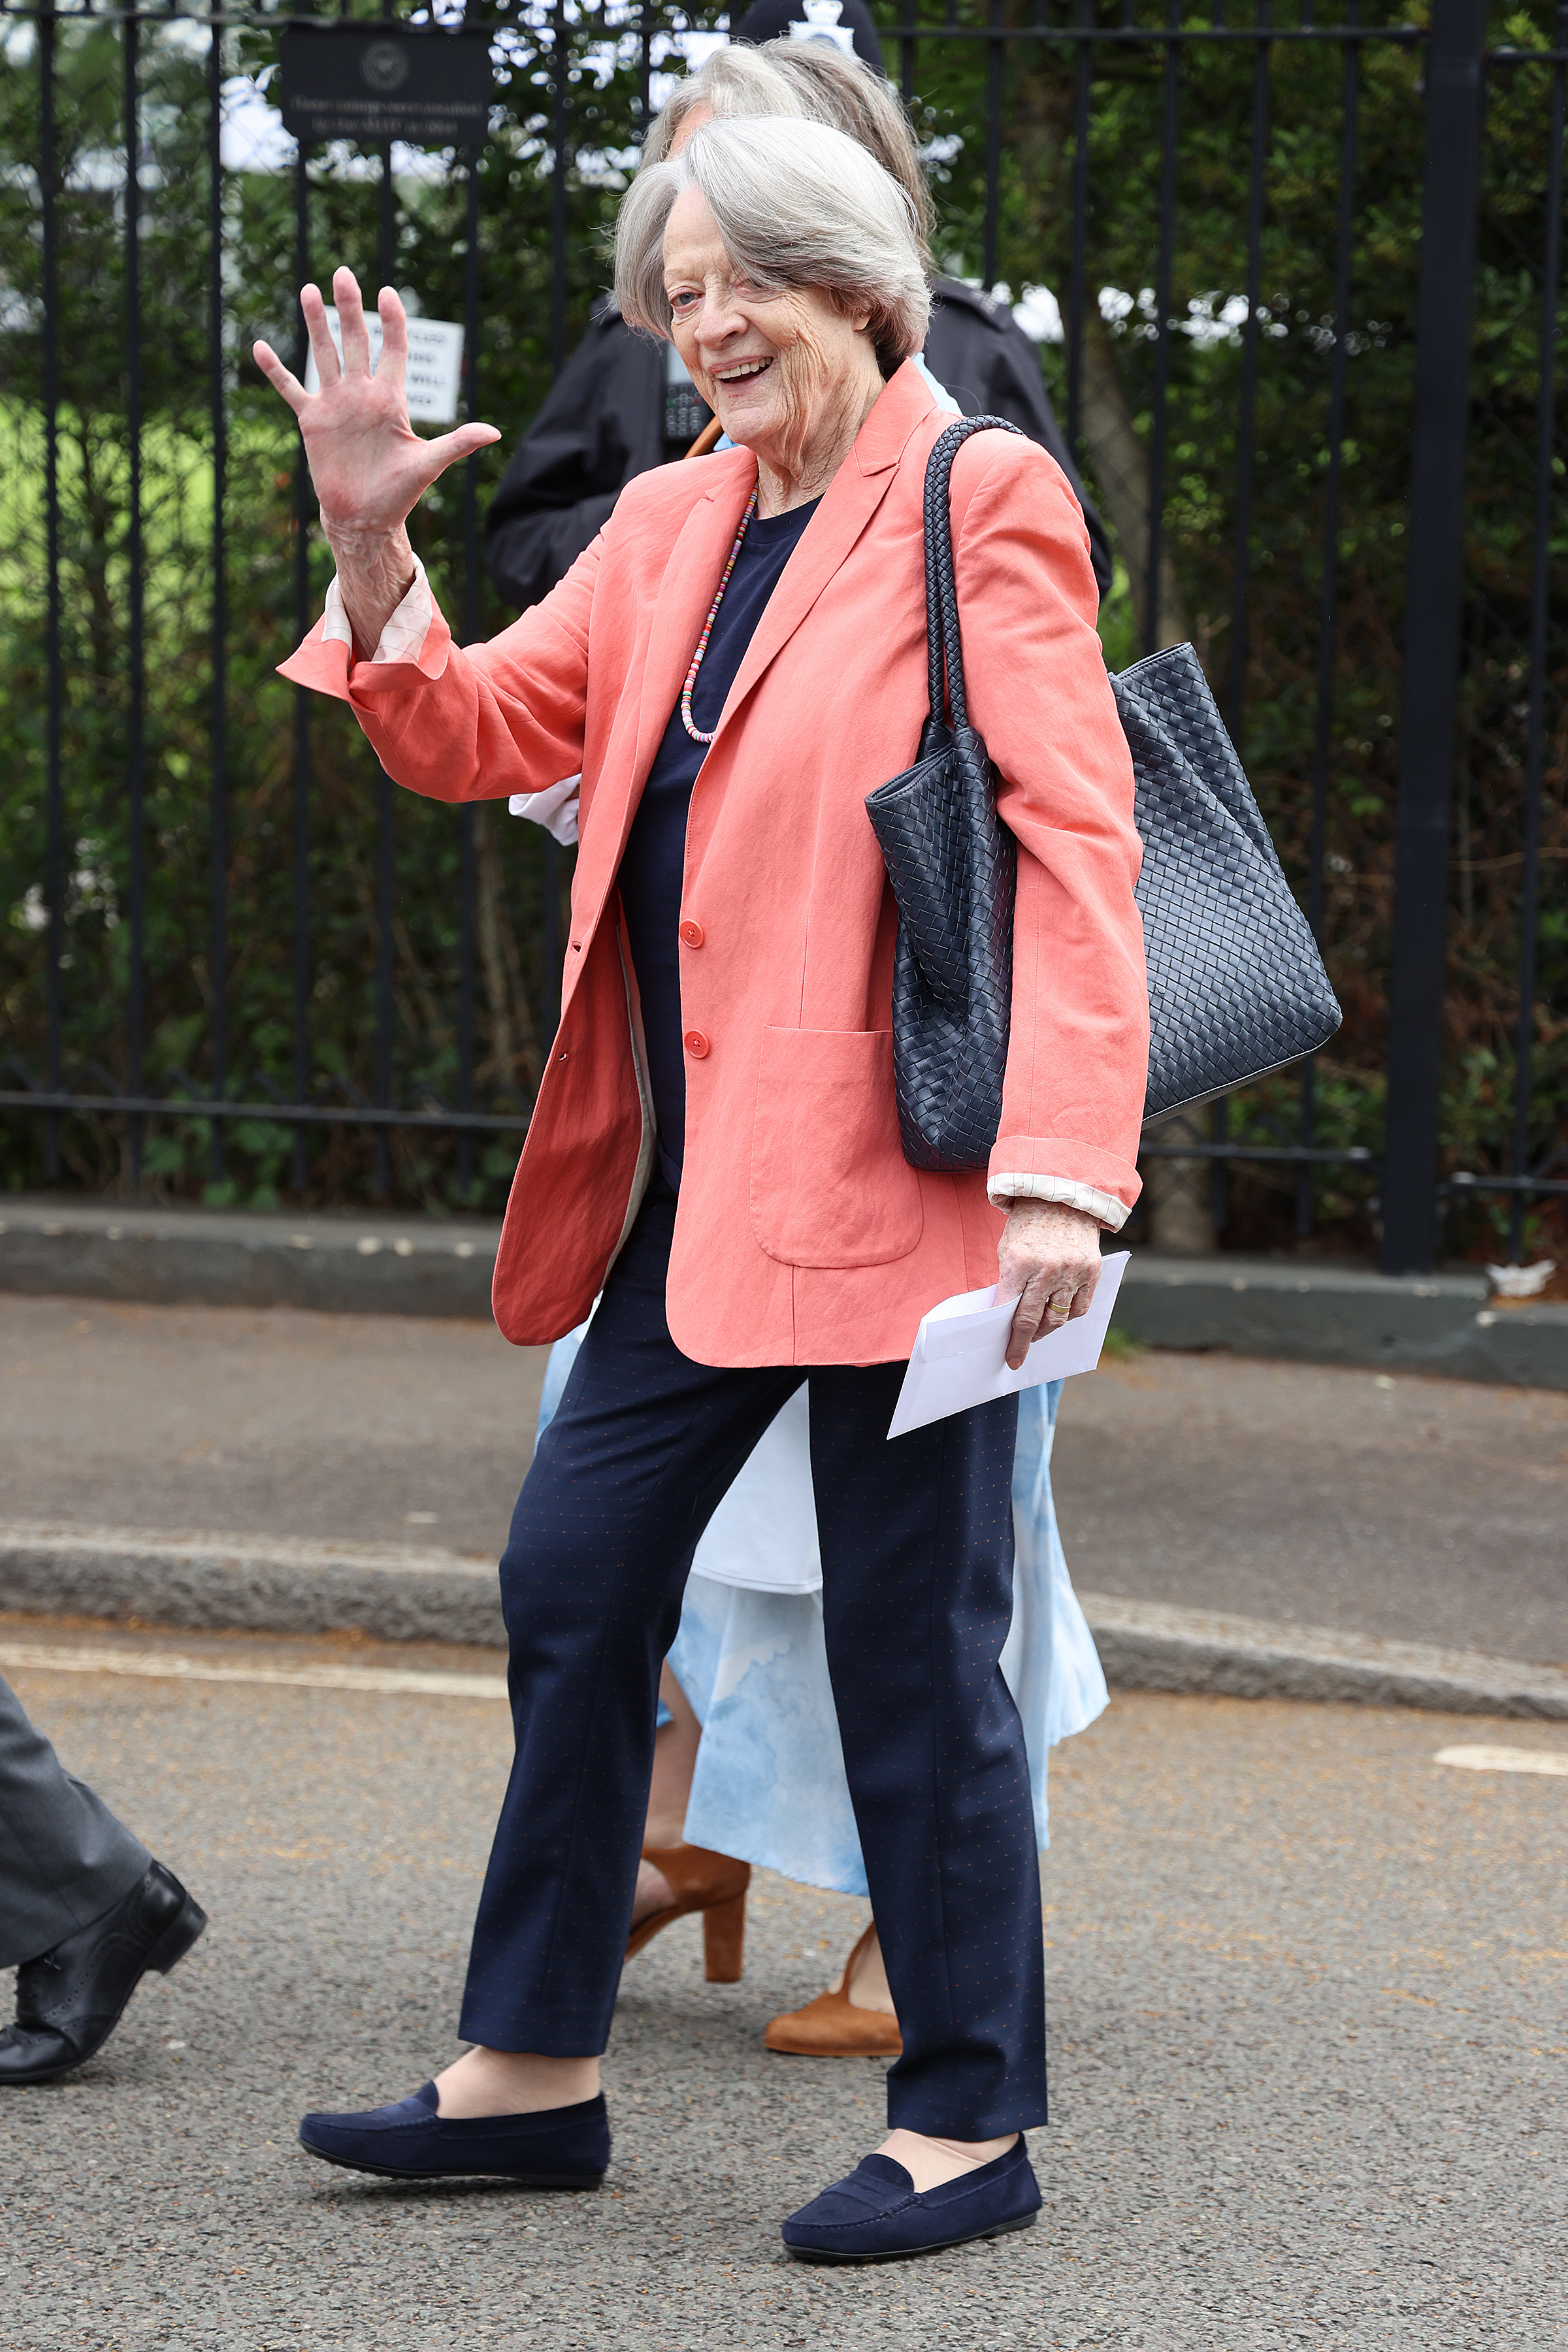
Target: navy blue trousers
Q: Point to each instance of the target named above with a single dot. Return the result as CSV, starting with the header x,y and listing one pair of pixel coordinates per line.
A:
x,y
917,1576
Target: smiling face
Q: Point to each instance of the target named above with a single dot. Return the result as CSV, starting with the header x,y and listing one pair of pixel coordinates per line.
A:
x,y
777,369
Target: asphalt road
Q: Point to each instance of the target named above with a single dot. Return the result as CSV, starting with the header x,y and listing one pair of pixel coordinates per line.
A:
x,y
1308,2054
1424,1510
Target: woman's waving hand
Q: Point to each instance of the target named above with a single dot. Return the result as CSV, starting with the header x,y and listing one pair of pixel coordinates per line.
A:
x,y
369,467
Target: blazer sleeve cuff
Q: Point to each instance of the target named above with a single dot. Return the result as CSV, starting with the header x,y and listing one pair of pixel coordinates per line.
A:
x,y
413,646
1012,1185
1081,1176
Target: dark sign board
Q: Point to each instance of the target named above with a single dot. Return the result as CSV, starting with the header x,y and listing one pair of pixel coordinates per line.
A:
x,y
376,82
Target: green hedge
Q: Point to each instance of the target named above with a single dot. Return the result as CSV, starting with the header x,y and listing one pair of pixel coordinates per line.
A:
x,y
1294,363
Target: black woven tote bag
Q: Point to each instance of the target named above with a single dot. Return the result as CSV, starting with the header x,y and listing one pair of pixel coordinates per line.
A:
x,y
1236,987
953,867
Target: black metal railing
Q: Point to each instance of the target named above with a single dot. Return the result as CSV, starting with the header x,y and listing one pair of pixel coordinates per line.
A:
x,y
1307,324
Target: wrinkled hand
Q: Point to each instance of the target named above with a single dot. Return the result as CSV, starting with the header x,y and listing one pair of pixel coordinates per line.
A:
x,y
369,467
1048,1257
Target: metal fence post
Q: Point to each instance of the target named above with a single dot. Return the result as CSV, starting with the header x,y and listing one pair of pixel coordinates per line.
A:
x,y
1434,594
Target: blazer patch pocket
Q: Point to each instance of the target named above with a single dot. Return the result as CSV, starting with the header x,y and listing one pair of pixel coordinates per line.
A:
x,y
830,1185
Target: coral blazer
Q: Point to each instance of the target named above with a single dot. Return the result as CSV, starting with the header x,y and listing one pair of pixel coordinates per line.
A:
x,y
803,1236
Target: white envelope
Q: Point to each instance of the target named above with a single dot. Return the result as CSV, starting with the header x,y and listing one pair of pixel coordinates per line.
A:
x,y
960,1352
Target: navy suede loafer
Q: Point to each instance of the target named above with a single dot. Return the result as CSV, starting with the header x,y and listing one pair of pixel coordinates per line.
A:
x,y
558,2147
878,2215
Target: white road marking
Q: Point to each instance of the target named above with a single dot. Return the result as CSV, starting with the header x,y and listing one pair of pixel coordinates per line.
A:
x,y
1505,1759
173,1665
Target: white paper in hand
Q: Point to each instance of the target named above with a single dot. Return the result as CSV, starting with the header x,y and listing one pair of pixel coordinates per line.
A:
x,y
960,1352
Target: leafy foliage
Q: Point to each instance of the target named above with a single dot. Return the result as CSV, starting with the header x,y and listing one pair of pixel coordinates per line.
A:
x,y
1200,375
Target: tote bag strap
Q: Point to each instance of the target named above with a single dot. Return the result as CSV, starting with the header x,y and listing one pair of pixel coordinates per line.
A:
x,y
944,647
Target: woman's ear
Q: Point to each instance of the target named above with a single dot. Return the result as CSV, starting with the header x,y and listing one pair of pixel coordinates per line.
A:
x,y
856,317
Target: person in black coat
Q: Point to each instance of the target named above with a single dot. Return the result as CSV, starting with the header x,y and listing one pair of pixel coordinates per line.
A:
x,y
978,350
622,403
85,1910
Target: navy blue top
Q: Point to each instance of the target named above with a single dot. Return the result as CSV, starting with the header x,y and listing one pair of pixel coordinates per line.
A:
x,y
653,868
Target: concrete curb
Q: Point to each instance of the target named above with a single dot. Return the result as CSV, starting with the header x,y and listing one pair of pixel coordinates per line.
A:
x,y
1148,1645
1296,1309
1306,1311
263,1584
336,1264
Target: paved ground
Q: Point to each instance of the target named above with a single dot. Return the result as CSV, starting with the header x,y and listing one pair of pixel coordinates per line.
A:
x,y
266,1421
1424,1510
1420,1509
1308,2054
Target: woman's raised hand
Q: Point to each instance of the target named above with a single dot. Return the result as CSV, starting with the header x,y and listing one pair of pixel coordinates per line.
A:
x,y
369,467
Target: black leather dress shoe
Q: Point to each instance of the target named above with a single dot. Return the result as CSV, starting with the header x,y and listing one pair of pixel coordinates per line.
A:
x,y
70,2001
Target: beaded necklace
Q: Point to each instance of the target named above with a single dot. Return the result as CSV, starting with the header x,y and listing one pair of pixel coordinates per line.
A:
x,y
695,731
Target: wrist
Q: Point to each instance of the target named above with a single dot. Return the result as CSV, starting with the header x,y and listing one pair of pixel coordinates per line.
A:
x,y
1030,1211
375,573
1103,1211
371,550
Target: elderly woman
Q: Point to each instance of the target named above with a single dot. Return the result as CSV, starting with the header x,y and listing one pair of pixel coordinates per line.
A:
x,y
749,1756
733,664
622,403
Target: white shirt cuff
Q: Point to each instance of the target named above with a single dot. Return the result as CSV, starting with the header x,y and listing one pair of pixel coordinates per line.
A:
x,y
403,639
555,809
1112,1213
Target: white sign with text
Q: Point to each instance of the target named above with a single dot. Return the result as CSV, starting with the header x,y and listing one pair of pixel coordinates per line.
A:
x,y
435,376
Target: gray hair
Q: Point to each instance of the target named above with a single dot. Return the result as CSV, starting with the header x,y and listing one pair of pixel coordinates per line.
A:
x,y
797,205
738,80
830,86
813,79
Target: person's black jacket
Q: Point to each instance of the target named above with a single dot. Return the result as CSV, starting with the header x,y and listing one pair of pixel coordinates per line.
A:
x,y
604,423
978,351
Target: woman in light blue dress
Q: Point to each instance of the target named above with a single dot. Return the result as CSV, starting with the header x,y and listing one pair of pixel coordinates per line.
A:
x,y
748,1747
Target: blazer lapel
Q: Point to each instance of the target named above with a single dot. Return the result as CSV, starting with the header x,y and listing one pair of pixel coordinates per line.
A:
x,y
852,497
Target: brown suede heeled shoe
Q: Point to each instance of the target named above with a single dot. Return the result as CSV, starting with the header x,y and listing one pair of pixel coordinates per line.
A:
x,y
832,2027
713,1884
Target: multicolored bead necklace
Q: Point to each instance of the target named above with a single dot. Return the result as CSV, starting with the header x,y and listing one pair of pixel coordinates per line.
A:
x,y
696,732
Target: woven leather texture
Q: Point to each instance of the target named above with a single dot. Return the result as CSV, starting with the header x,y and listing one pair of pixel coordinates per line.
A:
x,y
954,866
1236,987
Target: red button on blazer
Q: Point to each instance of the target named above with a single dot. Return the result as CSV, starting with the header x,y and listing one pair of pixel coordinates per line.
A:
x,y
696,1043
692,933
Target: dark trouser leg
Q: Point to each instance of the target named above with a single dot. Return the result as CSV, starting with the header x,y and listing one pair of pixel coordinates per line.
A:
x,y
64,1858
627,1476
917,1588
